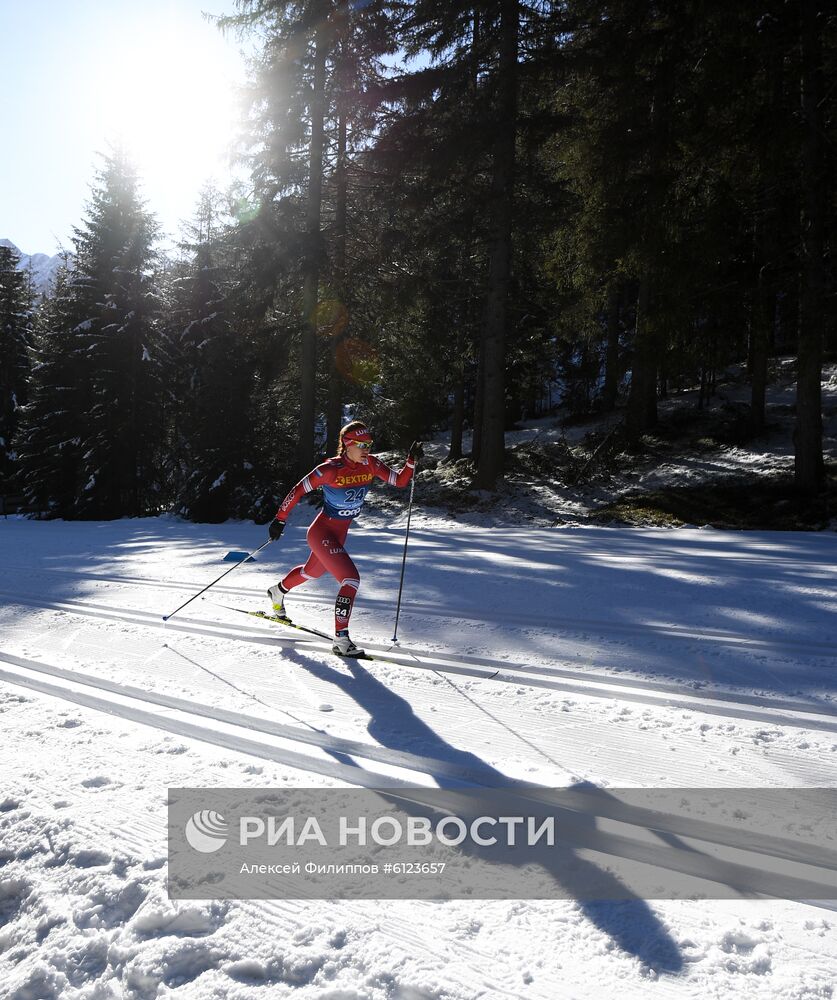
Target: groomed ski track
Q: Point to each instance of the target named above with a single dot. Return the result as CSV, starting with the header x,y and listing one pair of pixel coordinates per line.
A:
x,y
233,731
781,711
583,694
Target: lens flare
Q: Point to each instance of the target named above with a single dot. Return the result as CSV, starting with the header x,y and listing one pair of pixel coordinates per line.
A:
x,y
358,361
332,317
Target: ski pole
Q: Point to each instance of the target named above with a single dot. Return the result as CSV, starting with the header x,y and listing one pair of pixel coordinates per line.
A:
x,y
404,557
221,577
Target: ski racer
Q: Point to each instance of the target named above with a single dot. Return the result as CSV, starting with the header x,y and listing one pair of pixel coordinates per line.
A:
x,y
345,481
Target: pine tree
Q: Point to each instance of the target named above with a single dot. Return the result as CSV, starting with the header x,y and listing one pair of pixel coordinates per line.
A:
x,y
496,308
16,333
54,420
809,469
312,98
209,377
286,139
121,461
464,154
93,432
658,235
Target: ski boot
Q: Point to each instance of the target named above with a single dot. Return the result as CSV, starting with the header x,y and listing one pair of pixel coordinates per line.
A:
x,y
277,599
343,645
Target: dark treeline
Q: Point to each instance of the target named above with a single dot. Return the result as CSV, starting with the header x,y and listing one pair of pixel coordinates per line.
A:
x,y
458,215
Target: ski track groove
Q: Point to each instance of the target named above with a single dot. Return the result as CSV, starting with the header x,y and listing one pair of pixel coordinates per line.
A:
x,y
324,741
617,679
275,916
239,744
574,729
711,701
517,618
206,735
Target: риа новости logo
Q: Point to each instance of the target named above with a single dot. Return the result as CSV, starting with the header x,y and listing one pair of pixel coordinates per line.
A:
x,y
206,831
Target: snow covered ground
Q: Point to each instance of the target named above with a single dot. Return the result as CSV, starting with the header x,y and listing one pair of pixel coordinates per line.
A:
x,y
676,454
627,657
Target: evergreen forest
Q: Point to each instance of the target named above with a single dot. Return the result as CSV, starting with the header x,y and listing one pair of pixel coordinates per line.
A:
x,y
449,217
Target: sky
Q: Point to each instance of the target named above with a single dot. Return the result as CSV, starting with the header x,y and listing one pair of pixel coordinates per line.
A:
x,y
75,76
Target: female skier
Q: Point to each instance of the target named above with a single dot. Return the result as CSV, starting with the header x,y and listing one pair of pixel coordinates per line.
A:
x,y
345,480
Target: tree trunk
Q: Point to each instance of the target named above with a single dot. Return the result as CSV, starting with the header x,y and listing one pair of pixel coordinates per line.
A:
x,y
457,416
610,390
759,342
641,415
133,471
334,409
492,443
809,471
767,239
642,401
479,395
308,359
471,311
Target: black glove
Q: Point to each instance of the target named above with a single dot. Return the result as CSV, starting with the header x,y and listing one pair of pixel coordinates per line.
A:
x,y
416,451
275,530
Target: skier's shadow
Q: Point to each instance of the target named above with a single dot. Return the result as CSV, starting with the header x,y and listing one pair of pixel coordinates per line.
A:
x,y
630,922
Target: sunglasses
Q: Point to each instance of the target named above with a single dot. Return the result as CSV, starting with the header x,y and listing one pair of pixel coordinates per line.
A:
x,y
365,445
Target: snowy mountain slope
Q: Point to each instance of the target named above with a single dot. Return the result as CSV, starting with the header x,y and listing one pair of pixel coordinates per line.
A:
x,y
629,656
44,268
